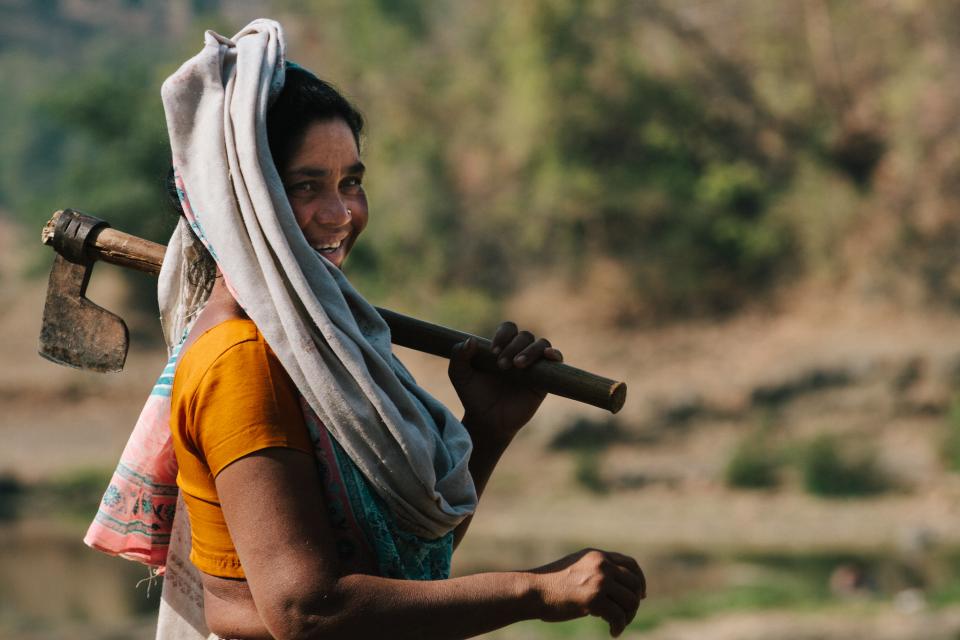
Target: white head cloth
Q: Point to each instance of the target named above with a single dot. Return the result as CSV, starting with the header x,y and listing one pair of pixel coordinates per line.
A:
x,y
332,342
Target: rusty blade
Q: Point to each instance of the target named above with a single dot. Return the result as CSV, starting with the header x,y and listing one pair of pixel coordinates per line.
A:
x,y
75,331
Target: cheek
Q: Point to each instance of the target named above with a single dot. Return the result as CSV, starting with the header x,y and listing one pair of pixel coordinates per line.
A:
x,y
360,221
299,213
360,216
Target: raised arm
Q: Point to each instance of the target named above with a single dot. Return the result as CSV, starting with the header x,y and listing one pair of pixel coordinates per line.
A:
x,y
494,409
276,515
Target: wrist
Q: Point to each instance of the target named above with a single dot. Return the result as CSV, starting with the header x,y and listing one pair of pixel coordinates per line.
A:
x,y
485,432
530,593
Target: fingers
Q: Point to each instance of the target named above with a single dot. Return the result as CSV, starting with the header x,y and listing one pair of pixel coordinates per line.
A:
x,y
520,349
509,354
624,588
626,600
631,574
506,332
531,353
593,582
459,368
619,590
629,580
612,613
464,350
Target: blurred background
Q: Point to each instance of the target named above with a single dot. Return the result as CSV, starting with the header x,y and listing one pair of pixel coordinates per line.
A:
x,y
747,210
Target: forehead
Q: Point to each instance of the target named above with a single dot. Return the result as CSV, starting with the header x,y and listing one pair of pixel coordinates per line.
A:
x,y
326,143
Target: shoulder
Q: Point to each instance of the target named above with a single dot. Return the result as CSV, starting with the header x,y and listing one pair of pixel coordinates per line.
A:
x,y
231,351
232,338
231,396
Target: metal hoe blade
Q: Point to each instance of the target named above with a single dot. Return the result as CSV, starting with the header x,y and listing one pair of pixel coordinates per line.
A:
x,y
76,332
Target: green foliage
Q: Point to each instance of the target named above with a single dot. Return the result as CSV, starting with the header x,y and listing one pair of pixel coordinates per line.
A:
x,y
87,131
657,187
587,439
754,597
786,583
115,152
707,168
754,465
76,493
585,434
474,309
950,449
587,471
11,491
559,145
832,472
783,593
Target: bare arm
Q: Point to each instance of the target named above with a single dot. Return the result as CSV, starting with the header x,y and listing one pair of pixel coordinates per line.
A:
x,y
496,409
278,521
483,460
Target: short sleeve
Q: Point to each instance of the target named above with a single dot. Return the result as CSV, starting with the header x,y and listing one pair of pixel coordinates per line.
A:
x,y
244,403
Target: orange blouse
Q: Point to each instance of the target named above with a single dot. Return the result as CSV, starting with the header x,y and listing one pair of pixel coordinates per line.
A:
x,y
231,397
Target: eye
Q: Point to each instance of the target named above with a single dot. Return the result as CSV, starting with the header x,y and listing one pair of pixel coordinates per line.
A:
x,y
302,186
352,185
302,189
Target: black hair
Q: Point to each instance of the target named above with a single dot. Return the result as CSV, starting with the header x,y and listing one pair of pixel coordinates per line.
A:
x,y
304,100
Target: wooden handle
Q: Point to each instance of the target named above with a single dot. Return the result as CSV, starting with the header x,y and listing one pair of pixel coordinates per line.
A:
x,y
117,247
554,377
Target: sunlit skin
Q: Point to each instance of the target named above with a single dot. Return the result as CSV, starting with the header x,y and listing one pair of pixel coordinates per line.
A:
x,y
294,588
324,183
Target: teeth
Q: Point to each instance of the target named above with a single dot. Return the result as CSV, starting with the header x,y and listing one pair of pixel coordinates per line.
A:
x,y
328,247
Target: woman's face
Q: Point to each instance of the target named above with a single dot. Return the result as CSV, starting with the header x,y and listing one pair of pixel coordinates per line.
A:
x,y
323,180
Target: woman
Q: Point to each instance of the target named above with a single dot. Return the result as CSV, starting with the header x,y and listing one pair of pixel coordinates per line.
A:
x,y
287,547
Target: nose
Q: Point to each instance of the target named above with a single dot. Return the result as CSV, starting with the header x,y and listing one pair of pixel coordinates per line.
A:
x,y
333,213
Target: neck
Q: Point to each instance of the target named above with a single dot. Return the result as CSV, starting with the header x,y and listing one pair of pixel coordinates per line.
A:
x,y
221,301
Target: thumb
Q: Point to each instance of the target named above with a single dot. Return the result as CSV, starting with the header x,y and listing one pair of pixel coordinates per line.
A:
x,y
464,351
460,358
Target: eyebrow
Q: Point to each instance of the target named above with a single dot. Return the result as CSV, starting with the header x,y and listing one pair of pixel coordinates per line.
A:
x,y
319,172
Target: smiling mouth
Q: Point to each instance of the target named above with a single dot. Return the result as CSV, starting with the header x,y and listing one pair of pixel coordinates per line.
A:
x,y
328,247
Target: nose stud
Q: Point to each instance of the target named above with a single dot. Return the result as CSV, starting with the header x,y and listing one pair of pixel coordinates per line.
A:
x,y
349,213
